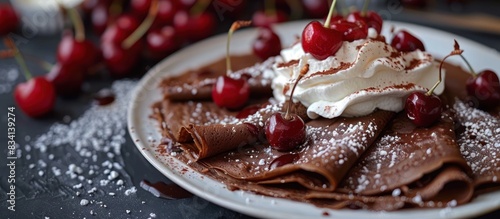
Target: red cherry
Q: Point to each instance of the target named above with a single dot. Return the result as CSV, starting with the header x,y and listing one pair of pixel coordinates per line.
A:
x,y
285,134
406,42
100,17
120,62
485,87
423,110
186,4
194,27
321,42
66,78
267,44
230,93
72,52
8,19
351,30
162,42
372,19
247,111
283,160
316,8
140,8
166,13
120,30
36,97
262,19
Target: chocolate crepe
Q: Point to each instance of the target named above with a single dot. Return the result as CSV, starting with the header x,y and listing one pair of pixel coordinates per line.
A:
x,y
197,84
412,165
427,171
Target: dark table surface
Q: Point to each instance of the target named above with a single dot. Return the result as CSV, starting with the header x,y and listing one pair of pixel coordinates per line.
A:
x,y
46,194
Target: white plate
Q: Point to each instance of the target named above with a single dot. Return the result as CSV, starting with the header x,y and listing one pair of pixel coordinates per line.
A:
x,y
145,133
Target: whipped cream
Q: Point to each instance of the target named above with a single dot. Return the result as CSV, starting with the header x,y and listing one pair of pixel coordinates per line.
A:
x,y
362,76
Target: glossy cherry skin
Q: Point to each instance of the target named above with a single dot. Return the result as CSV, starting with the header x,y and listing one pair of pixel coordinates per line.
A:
x,y
72,52
261,19
372,19
8,19
285,134
162,42
120,30
100,17
319,41
406,42
423,110
140,8
351,30
35,97
267,44
230,93
67,79
485,88
283,160
194,27
121,62
316,8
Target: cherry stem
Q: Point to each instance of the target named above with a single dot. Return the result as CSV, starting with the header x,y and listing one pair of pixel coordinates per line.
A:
x,y
474,74
330,14
115,8
296,9
456,51
270,7
365,8
9,53
143,27
236,25
47,66
76,19
18,56
303,71
199,7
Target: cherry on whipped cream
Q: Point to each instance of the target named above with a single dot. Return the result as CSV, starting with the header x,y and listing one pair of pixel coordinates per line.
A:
x,y
406,42
371,18
351,30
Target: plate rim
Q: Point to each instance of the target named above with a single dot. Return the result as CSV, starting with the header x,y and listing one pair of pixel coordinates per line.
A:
x,y
252,210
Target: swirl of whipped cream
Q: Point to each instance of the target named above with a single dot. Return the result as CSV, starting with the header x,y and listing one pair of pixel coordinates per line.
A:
x,y
362,76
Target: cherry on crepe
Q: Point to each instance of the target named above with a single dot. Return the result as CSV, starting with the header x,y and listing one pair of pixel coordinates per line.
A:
x,y
371,18
351,30
406,42
423,109
161,42
267,44
66,78
285,132
8,19
228,92
485,86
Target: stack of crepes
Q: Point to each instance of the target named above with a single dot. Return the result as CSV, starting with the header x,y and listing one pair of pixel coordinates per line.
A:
x,y
380,161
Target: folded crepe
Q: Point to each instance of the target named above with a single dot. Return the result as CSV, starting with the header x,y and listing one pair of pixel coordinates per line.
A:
x,y
407,166
477,130
331,148
197,84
